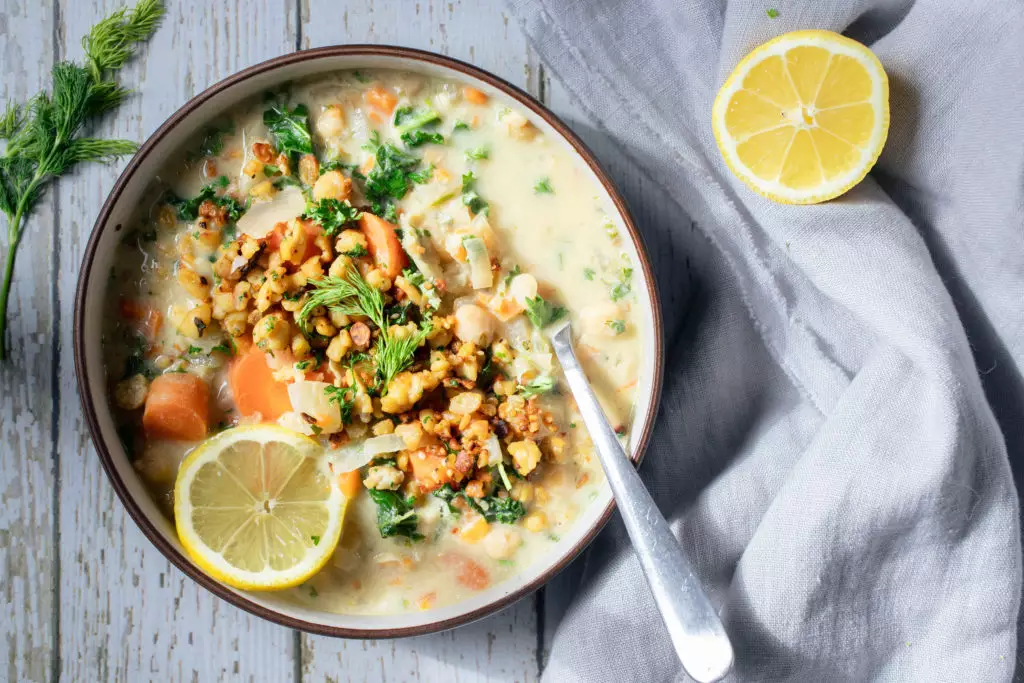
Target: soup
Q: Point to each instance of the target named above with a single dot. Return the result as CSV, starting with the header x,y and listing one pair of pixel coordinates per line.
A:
x,y
368,260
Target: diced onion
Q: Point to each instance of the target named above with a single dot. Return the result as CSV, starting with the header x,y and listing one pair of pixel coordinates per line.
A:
x,y
261,217
480,275
493,451
354,455
311,398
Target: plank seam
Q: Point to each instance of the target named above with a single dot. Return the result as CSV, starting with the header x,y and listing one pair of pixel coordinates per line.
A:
x,y
55,657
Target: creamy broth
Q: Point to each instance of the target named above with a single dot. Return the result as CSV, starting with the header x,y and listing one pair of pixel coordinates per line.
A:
x,y
545,232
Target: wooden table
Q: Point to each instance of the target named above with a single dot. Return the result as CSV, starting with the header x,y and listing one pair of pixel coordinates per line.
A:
x,y
85,597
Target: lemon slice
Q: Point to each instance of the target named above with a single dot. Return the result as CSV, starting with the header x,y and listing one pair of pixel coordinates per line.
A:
x,y
803,118
255,508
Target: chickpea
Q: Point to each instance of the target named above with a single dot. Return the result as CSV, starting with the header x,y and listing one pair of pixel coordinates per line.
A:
x,y
324,327
332,185
383,427
300,346
339,346
272,332
197,286
331,123
338,319
350,240
241,295
525,455
262,190
293,243
536,521
235,323
253,168
474,324
341,265
195,322
411,434
130,393
466,403
501,543
309,169
518,126
378,280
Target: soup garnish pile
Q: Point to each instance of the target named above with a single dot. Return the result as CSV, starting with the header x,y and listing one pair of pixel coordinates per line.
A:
x,y
325,347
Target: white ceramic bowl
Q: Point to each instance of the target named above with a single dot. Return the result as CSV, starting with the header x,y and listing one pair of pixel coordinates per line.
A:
x,y
119,210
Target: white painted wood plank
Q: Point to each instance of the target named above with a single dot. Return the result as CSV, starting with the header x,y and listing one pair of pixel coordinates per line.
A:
x,y
504,646
125,613
27,551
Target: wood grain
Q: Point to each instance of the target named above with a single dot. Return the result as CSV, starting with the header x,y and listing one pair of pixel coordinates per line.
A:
x,y
85,595
125,613
27,551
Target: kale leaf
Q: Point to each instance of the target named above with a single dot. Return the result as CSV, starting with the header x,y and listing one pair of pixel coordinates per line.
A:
x,y
188,209
541,313
491,508
289,128
393,174
470,198
395,515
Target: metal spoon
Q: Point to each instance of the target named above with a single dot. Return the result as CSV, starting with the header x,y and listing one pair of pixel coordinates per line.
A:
x,y
697,634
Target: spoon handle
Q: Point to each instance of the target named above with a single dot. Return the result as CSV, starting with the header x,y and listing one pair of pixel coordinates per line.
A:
x,y
697,634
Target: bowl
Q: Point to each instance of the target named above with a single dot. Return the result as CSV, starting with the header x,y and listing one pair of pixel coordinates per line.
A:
x,y
119,209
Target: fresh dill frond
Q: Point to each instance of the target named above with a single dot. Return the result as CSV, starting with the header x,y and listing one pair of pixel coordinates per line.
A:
x,y
352,295
42,135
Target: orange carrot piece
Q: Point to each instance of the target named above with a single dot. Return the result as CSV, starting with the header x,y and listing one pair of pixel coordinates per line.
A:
x,y
380,99
430,471
350,483
147,319
254,388
177,407
473,95
384,245
469,572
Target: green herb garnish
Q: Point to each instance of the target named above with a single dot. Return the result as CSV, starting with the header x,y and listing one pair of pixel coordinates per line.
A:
x,y
315,539
772,13
194,350
541,313
393,174
212,143
623,287
332,214
42,135
460,125
542,384
491,508
617,326
344,398
588,273
352,295
289,128
478,153
516,270
188,209
543,186
470,198
395,515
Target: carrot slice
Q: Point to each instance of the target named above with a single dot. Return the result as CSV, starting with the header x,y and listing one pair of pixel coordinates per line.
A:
x,y
470,573
385,247
429,470
473,95
381,99
147,319
350,483
177,407
312,230
254,388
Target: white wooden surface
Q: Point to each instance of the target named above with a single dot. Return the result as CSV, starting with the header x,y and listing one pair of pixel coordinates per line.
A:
x,y
84,596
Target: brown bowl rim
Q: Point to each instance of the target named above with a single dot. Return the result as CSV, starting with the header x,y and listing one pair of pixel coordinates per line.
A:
x,y
142,520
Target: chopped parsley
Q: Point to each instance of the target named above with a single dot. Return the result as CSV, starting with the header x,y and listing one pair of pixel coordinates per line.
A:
x,y
623,287
395,515
470,198
516,270
222,348
617,326
315,539
271,170
344,398
543,186
483,152
491,508
356,251
541,313
460,125
422,137
588,273
194,350
303,365
331,214
772,13
415,126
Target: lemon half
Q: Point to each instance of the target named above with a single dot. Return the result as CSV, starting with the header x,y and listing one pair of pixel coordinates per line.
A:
x,y
803,118
255,508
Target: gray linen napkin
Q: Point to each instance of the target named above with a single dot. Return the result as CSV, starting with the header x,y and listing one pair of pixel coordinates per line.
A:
x,y
843,381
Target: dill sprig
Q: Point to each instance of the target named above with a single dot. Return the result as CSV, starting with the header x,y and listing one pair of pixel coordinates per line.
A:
x,y
43,135
352,295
